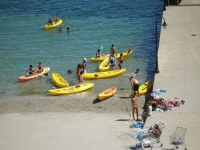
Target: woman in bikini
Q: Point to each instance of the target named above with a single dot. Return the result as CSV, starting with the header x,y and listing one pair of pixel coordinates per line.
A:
x,y
79,69
40,68
134,106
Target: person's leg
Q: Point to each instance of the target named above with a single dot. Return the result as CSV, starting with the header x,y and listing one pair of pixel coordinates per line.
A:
x,y
137,112
138,92
144,116
133,111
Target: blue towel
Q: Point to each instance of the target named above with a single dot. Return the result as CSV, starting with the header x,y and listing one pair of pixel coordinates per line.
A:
x,y
162,90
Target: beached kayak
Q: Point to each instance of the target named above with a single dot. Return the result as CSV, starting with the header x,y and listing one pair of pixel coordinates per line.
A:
x,y
59,81
125,53
101,75
107,93
146,87
46,26
71,89
25,78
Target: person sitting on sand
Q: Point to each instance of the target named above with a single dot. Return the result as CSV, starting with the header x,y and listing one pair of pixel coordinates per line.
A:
x,y
148,112
50,22
57,19
134,106
135,85
31,71
40,68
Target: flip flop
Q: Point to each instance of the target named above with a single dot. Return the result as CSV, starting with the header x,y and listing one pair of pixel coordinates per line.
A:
x,y
182,101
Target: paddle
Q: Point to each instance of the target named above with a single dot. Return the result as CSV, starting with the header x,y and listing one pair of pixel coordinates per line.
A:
x,y
53,87
93,73
22,67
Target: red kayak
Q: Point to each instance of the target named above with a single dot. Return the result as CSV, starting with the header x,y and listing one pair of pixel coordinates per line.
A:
x,y
25,78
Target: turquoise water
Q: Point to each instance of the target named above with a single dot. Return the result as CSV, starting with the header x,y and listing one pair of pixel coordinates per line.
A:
x,y
127,24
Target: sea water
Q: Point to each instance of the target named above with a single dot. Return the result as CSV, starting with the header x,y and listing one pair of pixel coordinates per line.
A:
x,y
124,23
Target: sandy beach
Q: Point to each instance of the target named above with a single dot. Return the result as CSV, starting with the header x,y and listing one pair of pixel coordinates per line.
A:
x,y
66,122
80,121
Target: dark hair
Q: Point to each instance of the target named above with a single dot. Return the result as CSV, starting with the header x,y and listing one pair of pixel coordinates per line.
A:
x,y
30,66
39,63
67,28
79,65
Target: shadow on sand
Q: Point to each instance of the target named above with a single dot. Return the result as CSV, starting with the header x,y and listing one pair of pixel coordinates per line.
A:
x,y
96,101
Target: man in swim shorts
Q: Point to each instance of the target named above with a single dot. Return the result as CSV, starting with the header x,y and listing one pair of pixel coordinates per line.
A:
x,y
135,85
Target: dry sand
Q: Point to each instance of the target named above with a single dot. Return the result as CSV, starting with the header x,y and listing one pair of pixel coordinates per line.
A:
x,y
77,121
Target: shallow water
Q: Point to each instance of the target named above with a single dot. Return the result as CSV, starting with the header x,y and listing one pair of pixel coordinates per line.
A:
x,y
127,24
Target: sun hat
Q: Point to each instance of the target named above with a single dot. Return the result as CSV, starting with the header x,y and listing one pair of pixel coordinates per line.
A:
x,y
85,59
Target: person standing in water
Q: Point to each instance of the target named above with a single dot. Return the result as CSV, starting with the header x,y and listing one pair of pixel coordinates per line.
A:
x,y
78,74
120,60
112,60
112,49
84,65
68,30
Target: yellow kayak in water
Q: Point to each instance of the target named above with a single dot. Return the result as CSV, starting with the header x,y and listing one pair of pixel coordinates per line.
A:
x,y
105,65
101,75
46,26
125,53
71,89
59,81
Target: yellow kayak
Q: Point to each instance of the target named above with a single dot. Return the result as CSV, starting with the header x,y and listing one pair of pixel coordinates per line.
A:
x,y
46,26
59,81
101,75
146,87
105,65
107,93
125,53
99,58
71,89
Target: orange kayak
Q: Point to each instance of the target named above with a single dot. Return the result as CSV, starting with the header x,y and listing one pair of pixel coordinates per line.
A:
x,y
25,78
107,93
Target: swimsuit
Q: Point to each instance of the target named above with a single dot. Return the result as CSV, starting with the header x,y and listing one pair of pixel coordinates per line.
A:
x,y
136,87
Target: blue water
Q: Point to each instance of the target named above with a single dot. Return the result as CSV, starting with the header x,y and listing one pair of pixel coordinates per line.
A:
x,y
23,41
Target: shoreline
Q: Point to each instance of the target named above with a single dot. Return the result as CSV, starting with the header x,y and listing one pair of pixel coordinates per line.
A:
x,y
70,103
